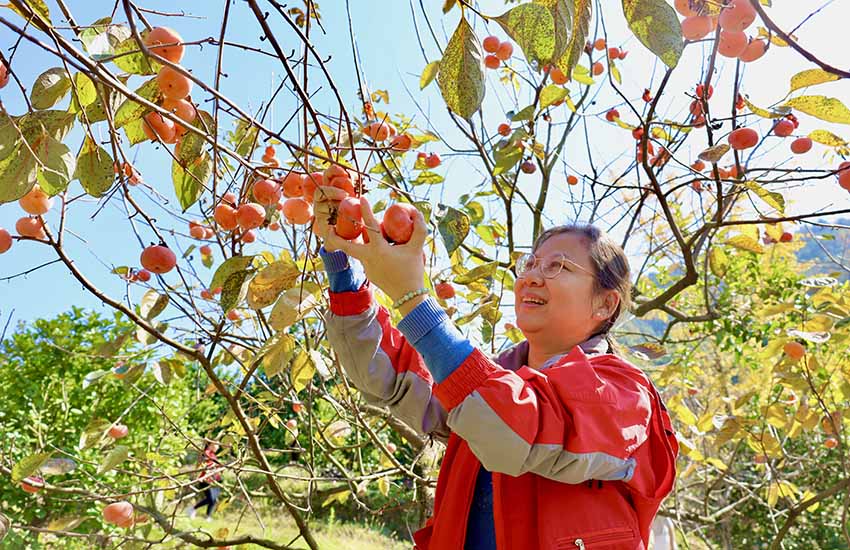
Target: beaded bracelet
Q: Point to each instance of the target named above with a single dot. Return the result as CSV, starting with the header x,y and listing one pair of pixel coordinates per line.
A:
x,y
409,296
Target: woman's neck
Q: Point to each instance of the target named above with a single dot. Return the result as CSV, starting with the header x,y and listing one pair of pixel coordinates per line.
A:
x,y
539,353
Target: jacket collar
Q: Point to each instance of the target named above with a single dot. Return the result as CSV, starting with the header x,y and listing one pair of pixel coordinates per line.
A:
x,y
517,356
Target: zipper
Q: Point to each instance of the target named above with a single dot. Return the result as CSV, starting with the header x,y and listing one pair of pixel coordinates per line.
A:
x,y
619,535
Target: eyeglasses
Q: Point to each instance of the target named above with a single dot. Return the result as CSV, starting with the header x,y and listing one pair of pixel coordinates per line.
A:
x,y
550,267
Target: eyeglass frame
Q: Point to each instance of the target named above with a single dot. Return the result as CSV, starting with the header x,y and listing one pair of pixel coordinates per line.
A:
x,y
563,257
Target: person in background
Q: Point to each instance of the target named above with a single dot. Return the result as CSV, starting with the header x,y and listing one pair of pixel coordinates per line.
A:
x,y
556,443
209,473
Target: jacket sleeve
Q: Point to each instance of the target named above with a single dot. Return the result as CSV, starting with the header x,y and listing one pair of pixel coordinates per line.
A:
x,y
569,428
380,362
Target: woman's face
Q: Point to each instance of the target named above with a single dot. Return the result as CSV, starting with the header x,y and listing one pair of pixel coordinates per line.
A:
x,y
570,310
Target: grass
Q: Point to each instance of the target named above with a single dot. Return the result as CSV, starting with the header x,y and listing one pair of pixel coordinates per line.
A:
x,y
280,528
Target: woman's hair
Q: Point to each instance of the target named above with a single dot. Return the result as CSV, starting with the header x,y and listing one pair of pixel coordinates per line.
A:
x,y
610,265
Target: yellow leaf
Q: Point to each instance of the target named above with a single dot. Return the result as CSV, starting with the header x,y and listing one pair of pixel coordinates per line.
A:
x,y
822,107
764,113
827,138
384,486
428,74
775,40
811,77
302,371
744,242
294,304
715,153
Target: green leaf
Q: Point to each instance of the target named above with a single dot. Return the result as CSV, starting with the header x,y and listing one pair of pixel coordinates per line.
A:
x,y
9,137
135,131
426,177
562,12
478,273
551,94
428,74
56,123
526,113
718,261
235,289
93,376
461,74
810,77
532,27
772,198
38,7
152,304
822,107
506,157
448,5
189,182
475,211
93,432
136,62
453,226
228,268
57,163
83,92
656,25
17,174
131,110
94,168
27,466
302,371
115,457
581,74
582,11
161,372
49,88
745,242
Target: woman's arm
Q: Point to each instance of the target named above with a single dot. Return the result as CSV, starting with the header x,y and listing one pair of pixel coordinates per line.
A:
x,y
566,426
375,355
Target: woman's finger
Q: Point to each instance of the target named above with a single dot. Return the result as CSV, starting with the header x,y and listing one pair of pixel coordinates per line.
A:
x,y
420,231
326,193
371,224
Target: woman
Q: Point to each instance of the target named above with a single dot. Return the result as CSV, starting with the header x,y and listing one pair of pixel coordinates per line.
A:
x,y
210,471
557,442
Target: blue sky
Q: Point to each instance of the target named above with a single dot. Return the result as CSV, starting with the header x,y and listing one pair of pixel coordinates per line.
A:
x,y
391,60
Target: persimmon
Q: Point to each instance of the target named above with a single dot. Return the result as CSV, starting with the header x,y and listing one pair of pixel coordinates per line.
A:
x,y
274,226
225,216
783,128
732,43
378,131
206,295
612,115
117,431
613,53
158,259
528,167
27,484
737,17
119,513
492,62
844,175
445,290
5,240
401,143
786,237
491,44
310,182
558,77
182,109
143,275
572,180
696,27
267,192
433,160
703,92
172,51
794,350
504,129
250,216
173,84
647,96
297,407
599,44
249,236
31,227
233,315
197,232
754,51
349,218
397,225
830,443
505,51
801,145
684,8
4,74
205,250
293,185
158,128
743,138
297,211
698,165
36,201
696,185
597,69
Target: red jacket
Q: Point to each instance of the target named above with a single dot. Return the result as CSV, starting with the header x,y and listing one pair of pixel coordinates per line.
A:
x,y
581,452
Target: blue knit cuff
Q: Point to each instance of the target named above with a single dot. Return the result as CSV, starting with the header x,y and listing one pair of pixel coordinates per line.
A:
x,y
334,261
344,274
430,331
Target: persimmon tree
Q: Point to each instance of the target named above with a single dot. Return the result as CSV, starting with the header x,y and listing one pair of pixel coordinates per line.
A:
x,y
747,347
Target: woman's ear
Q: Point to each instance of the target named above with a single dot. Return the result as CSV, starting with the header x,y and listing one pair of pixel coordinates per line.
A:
x,y
606,305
